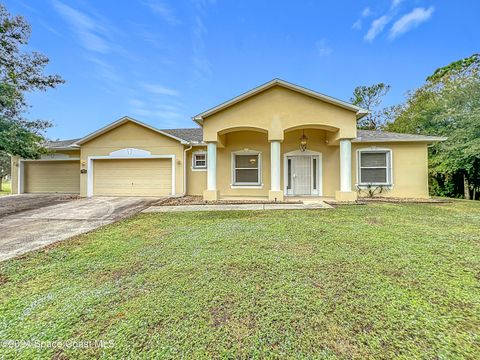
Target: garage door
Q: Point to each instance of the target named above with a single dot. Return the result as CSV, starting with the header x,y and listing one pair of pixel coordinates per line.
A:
x,y
52,177
132,177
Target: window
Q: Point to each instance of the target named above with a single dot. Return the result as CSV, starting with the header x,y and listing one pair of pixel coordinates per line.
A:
x,y
374,167
199,160
246,168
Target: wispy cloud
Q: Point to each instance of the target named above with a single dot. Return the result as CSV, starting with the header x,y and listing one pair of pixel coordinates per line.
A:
x,y
411,20
90,31
200,58
366,12
157,89
376,27
395,3
323,49
163,10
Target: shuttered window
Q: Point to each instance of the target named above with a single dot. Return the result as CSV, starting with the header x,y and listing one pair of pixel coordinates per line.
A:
x,y
375,167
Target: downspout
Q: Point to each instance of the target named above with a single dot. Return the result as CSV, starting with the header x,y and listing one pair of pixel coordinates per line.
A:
x,y
185,169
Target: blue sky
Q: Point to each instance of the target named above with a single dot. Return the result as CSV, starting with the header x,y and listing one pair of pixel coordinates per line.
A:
x,y
163,61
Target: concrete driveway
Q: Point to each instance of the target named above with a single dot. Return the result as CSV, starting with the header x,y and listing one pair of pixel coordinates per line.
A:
x,y
28,230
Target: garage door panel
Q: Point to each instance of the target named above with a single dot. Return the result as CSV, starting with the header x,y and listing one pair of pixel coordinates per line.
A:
x,y
52,177
133,177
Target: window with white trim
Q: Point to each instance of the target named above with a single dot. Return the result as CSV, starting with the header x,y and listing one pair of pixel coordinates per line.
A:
x,y
246,168
374,167
199,160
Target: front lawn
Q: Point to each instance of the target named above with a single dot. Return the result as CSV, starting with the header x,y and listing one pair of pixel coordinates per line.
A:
x,y
6,188
376,281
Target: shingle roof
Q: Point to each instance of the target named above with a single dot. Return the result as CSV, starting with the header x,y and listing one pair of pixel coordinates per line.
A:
x,y
190,135
378,136
195,135
60,143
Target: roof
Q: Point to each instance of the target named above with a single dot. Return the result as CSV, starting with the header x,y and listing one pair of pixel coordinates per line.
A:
x,y
194,135
380,136
120,122
60,144
278,82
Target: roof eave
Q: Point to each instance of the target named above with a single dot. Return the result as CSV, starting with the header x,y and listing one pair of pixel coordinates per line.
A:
x,y
118,123
425,140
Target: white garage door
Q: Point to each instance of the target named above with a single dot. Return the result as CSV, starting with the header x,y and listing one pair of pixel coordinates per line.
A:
x,y
132,177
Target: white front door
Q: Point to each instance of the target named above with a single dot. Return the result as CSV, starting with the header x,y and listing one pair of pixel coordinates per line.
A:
x,y
302,175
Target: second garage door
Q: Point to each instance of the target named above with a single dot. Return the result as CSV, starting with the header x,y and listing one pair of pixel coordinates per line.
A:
x,y
133,177
52,177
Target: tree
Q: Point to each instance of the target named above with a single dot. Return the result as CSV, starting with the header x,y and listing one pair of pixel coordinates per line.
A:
x,y
370,98
20,72
449,104
5,163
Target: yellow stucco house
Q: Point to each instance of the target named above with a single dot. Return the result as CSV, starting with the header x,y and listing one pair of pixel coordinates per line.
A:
x,y
274,141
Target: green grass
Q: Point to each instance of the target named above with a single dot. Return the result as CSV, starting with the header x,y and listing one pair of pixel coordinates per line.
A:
x,y
379,281
6,188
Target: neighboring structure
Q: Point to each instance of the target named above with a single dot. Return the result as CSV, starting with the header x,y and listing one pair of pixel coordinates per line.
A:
x,y
276,140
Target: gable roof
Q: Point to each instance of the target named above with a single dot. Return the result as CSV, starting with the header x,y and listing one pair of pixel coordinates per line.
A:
x,y
379,136
119,122
60,144
278,82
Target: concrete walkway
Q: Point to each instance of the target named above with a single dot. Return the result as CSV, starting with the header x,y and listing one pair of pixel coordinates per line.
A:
x,y
235,207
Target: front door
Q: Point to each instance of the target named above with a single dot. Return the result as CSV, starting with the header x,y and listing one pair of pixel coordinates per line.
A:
x,y
302,175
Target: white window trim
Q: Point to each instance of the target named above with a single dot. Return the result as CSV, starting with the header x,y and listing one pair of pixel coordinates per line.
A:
x,y
389,167
196,168
235,185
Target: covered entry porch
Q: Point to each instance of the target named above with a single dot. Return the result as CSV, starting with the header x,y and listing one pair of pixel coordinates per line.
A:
x,y
246,164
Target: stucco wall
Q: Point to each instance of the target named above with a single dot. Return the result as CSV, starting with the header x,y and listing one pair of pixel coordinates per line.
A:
x,y
409,164
131,135
196,179
277,109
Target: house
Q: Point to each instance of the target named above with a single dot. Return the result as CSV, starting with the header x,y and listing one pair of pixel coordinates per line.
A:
x,y
276,140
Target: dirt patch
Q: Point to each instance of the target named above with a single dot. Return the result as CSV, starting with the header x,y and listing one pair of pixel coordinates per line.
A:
x,y
197,200
374,221
17,203
405,200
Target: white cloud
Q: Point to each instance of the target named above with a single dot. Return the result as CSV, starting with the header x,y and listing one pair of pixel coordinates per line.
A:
x,y
367,12
357,25
158,89
395,3
411,20
322,47
377,27
90,32
164,11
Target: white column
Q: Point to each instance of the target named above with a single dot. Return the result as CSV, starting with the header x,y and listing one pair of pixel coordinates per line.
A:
x,y
21,175
345,165
212,166
275,165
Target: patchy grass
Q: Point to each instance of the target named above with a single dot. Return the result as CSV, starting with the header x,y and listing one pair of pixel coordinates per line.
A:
x,y
377,281
6,189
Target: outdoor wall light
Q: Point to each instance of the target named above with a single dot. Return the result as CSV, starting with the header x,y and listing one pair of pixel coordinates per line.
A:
x,y
303,141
